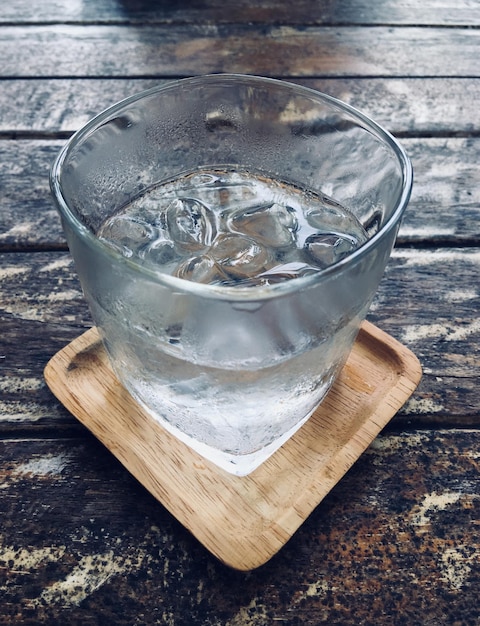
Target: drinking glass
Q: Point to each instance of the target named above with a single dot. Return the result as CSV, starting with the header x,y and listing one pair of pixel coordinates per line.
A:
x,y
231,370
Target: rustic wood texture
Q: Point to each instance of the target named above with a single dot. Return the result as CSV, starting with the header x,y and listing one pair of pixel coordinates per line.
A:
x,y
463,13
253,516
396,541
182,50
406,106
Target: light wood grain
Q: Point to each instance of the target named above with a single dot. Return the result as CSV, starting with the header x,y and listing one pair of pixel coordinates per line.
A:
x,y
243,521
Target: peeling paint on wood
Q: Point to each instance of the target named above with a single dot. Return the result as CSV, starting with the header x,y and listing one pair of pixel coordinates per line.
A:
x,y
433,502
417,406
447,332
87,577
431,257
47,466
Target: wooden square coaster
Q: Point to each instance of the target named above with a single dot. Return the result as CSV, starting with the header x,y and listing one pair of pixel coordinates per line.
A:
x,y
243,521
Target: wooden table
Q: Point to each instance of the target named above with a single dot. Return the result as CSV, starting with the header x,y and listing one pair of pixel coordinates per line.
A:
x,y
397,540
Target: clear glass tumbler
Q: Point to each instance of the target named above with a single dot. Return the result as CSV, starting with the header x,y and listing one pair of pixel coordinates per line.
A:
x,y
232,370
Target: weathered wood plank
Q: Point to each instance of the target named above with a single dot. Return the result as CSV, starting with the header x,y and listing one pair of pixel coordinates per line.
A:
x,y
446,192
27,212
174,50
429,300
42,309
42,303
433,12
83,543
403,105
444,207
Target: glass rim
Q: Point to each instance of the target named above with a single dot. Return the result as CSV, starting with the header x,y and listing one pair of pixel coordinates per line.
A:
x,y
240,292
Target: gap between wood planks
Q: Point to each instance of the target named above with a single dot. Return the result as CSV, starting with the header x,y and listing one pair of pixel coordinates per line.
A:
x,y
15,135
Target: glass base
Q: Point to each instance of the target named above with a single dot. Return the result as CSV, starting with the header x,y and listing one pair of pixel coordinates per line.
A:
x,y
236,464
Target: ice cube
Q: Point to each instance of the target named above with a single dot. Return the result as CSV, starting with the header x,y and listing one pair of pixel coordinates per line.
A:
x,y
190,223
200,269
127,234
160,253
333,218
286,271
239,255
325,249
273,225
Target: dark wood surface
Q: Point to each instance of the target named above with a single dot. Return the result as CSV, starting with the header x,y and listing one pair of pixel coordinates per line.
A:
x,y
396,541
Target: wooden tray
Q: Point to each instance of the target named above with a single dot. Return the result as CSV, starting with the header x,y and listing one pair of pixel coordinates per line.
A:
x,y
243,521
